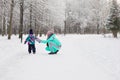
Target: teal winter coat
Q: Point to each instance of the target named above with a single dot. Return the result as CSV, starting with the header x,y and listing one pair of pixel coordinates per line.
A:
x,y
53,43
30,39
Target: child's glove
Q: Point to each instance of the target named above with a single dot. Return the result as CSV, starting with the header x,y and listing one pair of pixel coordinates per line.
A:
x,y
25,42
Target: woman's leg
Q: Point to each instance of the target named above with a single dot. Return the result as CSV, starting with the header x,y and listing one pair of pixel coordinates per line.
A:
x,y
53,47
47,48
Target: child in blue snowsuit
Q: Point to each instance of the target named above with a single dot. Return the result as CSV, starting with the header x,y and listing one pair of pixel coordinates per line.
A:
x,y
31,42
53,44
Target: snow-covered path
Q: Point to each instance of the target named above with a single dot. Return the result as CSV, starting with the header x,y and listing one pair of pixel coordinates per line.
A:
x,y
82,57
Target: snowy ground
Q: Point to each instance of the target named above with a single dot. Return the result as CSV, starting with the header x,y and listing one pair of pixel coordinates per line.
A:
x,y
82,57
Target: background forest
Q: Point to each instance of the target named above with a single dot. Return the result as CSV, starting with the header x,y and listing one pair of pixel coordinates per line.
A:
x,y
62,16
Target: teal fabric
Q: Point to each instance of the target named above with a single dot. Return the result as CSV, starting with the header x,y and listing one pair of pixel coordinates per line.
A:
x,y
53,42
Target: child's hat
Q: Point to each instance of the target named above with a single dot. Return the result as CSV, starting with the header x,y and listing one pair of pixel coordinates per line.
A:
x,y
30,31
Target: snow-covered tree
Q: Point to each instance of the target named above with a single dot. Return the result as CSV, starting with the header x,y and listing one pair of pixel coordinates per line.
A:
x,y
89,14
114,19
79,16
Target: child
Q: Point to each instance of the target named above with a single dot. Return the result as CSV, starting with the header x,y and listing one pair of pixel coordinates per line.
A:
x,y
31,42
53,44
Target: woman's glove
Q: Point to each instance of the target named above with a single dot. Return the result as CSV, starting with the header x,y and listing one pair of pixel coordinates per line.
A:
x,y
38,40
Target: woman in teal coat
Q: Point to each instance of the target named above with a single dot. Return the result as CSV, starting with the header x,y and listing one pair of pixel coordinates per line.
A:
x,y
53,44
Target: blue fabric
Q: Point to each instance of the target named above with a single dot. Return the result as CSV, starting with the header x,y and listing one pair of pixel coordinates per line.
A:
x,y
30,39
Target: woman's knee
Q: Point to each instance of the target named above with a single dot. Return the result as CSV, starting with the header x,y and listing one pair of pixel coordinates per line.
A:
x,y
47,48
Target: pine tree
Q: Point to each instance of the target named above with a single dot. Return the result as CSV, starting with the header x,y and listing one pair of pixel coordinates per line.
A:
x,y
114,19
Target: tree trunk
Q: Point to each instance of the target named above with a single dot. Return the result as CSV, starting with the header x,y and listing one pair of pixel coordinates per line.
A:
x,y
64,27
21,19
30,15
98,32
35,30
114,32
4,29
11,16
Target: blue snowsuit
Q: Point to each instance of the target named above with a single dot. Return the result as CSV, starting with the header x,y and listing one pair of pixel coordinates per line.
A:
x,y
31,43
